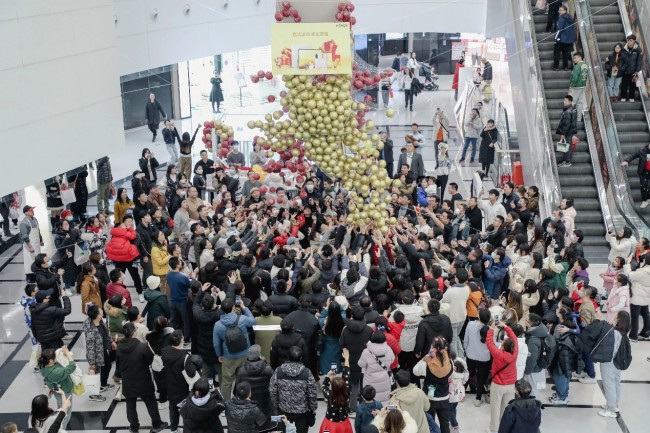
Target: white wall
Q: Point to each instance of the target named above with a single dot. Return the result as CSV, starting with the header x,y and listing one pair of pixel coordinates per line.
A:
x,y
60,100
209,28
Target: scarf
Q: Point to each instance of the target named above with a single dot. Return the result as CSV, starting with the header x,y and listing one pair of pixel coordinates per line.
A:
x,y
200,401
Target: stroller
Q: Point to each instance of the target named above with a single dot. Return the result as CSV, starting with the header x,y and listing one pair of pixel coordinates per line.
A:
x,y
429,79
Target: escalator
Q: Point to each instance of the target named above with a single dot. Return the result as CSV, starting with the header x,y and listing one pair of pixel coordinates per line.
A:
x,y
577,181
631,122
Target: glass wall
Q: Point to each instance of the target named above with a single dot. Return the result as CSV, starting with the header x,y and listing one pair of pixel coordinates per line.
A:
x,y
135,93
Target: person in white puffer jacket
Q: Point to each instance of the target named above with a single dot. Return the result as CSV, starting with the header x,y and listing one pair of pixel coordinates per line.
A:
x,y
568,218
640,301
622,245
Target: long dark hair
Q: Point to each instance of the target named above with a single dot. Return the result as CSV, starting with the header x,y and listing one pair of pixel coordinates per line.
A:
x,y
339,395
119,195
40,410
623,322
335,324
440,344
46,356
86,269
394,422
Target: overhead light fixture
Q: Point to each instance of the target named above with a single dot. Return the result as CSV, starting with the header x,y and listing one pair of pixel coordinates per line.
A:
x,y
154,14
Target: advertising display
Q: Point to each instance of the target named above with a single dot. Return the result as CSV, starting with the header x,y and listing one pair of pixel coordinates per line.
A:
x,y
311,49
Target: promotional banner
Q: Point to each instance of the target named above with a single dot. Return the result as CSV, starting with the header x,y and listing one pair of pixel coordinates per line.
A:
x,y
311,49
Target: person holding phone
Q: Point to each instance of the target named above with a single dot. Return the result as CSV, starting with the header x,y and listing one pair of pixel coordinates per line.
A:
x,y
504,371
57,378
336,390
43,418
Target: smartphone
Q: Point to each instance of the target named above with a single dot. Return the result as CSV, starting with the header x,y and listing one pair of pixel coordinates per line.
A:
x,y
391,407
238,300
55,387
496,319
333,367
276,418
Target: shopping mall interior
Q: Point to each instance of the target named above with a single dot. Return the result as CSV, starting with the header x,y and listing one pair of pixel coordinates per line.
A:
x,y
76,78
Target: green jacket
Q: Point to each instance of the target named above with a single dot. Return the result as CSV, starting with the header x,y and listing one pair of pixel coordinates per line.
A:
x,y
579,76
59,375
265,337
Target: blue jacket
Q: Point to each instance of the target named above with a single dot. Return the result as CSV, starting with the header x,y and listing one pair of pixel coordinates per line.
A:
x,y
566,30
246,320
179,286
422,197
494,276
364,414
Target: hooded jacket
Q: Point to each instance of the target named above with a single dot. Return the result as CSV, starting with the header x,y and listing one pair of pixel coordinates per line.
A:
x,y
494,275
175,361
354,337
377,287
569,354
203,418
157,305
293,389
120,248
246,320
631,59
281,345
258,374
598,340
412,318
415,402
45,279
375,363
521,415
534,338
205,321
135,358
244,416
47,320
432,325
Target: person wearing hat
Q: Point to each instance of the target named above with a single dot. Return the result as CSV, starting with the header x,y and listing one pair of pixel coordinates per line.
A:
x,y
249,185
48,319
30,236
257,372
157,303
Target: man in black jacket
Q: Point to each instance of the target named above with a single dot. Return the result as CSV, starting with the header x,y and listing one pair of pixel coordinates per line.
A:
x,y
432,325
144,231
135,358
631,63
47,319
176,360
475,216
566,129
151,115
354,337
387,152
305,323
284,341
524,413
206,314
242,413
283,303
257,372
643,170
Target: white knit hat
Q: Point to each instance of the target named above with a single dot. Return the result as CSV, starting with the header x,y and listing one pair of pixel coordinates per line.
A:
x,y
153,282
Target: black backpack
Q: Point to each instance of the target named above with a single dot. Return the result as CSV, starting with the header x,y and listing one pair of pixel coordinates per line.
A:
x,y
547,351
235,339
623,357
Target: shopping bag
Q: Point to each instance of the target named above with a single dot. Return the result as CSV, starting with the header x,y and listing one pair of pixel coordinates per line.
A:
x,y
35,355
91,383
67,195
562,146
640,83
81,254
79,389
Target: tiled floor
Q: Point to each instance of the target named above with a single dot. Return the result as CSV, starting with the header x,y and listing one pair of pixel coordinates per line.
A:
x,y
18,384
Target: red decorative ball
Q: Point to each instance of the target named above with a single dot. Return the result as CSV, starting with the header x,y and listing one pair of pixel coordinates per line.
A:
x,y
287,183
266,146
270,98
382,75
206,124
223,152
377,78
268,75
303,195
263,189
342,6
339,16
294,12
260,74
300,179
366,73
354,66
346,16
256,176
285,12
279,16
255,79
389,73
283,93
297,19
358,84
285,109
350,7
286,5
353,21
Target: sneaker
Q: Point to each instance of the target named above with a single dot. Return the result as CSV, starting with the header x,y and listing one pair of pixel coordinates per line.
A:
x,y
478,403
644,338
558,402
486,398
456,429
604,407
607,414
645,204
556,69
163,405
623,100
352,414
187,345
36,370
141,298
161,427
633,340
106,388
97,398
471,161
578,375
567,164
631,100
176,431
587,380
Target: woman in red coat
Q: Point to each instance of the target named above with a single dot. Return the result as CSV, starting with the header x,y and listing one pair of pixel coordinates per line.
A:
x,y
504,372
454,81
123,252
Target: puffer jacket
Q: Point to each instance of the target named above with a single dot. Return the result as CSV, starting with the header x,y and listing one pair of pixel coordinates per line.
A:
x,y
377,287
258,374
176,361
354,337
412,318
631,59
293,389
640,285
569,354
504,364
598,340
90,292
534,338
522,415
205,321
135,358
45,279
432,325
64,241
353,291
281,345
97,342
116,317
203,418
243,416
120,248
415,402
157,305
494,275
47,320
283,304
620,247
374,373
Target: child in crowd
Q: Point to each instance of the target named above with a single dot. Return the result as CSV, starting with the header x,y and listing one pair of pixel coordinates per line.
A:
x,y
457,381
522,354
367,409
141,330
524,413
25,302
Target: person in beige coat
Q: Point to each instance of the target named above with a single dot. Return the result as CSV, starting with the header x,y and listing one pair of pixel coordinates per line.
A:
x,y
440,130
395,417
408,397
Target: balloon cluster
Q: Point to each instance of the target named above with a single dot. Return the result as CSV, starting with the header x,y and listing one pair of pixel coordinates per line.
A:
x,y
287,12
225,133
344,13
261,75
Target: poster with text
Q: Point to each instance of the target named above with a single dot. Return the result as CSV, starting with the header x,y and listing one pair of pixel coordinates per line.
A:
x,y
311,49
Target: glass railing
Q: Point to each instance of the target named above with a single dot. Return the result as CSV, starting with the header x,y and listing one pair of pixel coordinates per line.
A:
x,y
605,137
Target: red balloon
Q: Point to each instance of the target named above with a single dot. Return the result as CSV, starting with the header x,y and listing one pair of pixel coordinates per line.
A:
x,y
285,109
279,16
303,195
286,5
255,79
339,16
205,139
207,130
301,168
279,164
206,124
272,190
358,84
260,74
350,7
266,146
342,6
268,75
283,93
354,66
366,73
297,19
256,176
271,98
263,189
353,21
294,12
285,12
368,81
346,16
300,179
288,184
223,152
382,75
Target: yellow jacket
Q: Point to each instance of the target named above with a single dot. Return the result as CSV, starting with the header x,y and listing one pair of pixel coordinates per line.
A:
x,y
120,209
160,259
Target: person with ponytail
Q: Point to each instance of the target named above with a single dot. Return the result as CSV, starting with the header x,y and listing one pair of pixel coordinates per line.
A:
x,y
336,390
43,418
436,381
88,286
201,412
504,371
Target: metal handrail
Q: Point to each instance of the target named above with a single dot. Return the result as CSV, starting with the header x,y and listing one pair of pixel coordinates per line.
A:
x,y
598,174
605,118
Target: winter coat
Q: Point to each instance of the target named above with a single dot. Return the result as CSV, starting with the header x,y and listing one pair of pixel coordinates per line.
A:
x,y
151,112
504,364
640,285
119,289
283,304
64,241
160,260
264,337
115,318
598,340
486,153
566,31
494,276
364,414
456,296
90,292
47,320
568,357
613,301
243,416
521,415
415,402
534,338
432,325
205,321
157,305
204,418
281,345
579,76
454,80
631,59
45,279
120,248
246,320
354,337
98,342
609,276
473,127
412,318
377,287
134,359
620,247
474,349
642,155
293,389
375,374
176,361
258,374
567,125
104,174
306,324
457,382
60,375
216,94
353,291
145,164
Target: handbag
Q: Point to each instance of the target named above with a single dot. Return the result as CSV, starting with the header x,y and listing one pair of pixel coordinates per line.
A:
x,y
67,195
92,383
79,389
157,363
562,146
81,254
391,378
190,380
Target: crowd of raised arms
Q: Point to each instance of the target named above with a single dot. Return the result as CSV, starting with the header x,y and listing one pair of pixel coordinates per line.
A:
x,y
254,300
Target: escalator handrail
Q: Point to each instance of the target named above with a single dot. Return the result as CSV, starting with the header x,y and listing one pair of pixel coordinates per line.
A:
x,y
550,146
605,118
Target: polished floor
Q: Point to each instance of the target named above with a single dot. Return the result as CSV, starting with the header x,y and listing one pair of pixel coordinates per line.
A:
x,y
18,385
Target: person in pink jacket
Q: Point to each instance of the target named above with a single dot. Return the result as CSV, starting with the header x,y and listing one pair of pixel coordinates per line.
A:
x,y
609,276
619,298
375,363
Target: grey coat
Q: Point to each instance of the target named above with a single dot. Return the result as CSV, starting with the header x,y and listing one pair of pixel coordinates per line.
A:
x,y
417,164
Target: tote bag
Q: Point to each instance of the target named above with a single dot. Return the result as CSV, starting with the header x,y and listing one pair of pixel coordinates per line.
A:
x,y
562,146
81,254
91,383
68,196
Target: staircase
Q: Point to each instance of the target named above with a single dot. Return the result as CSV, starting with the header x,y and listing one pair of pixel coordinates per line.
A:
x,y
577,182
630,119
